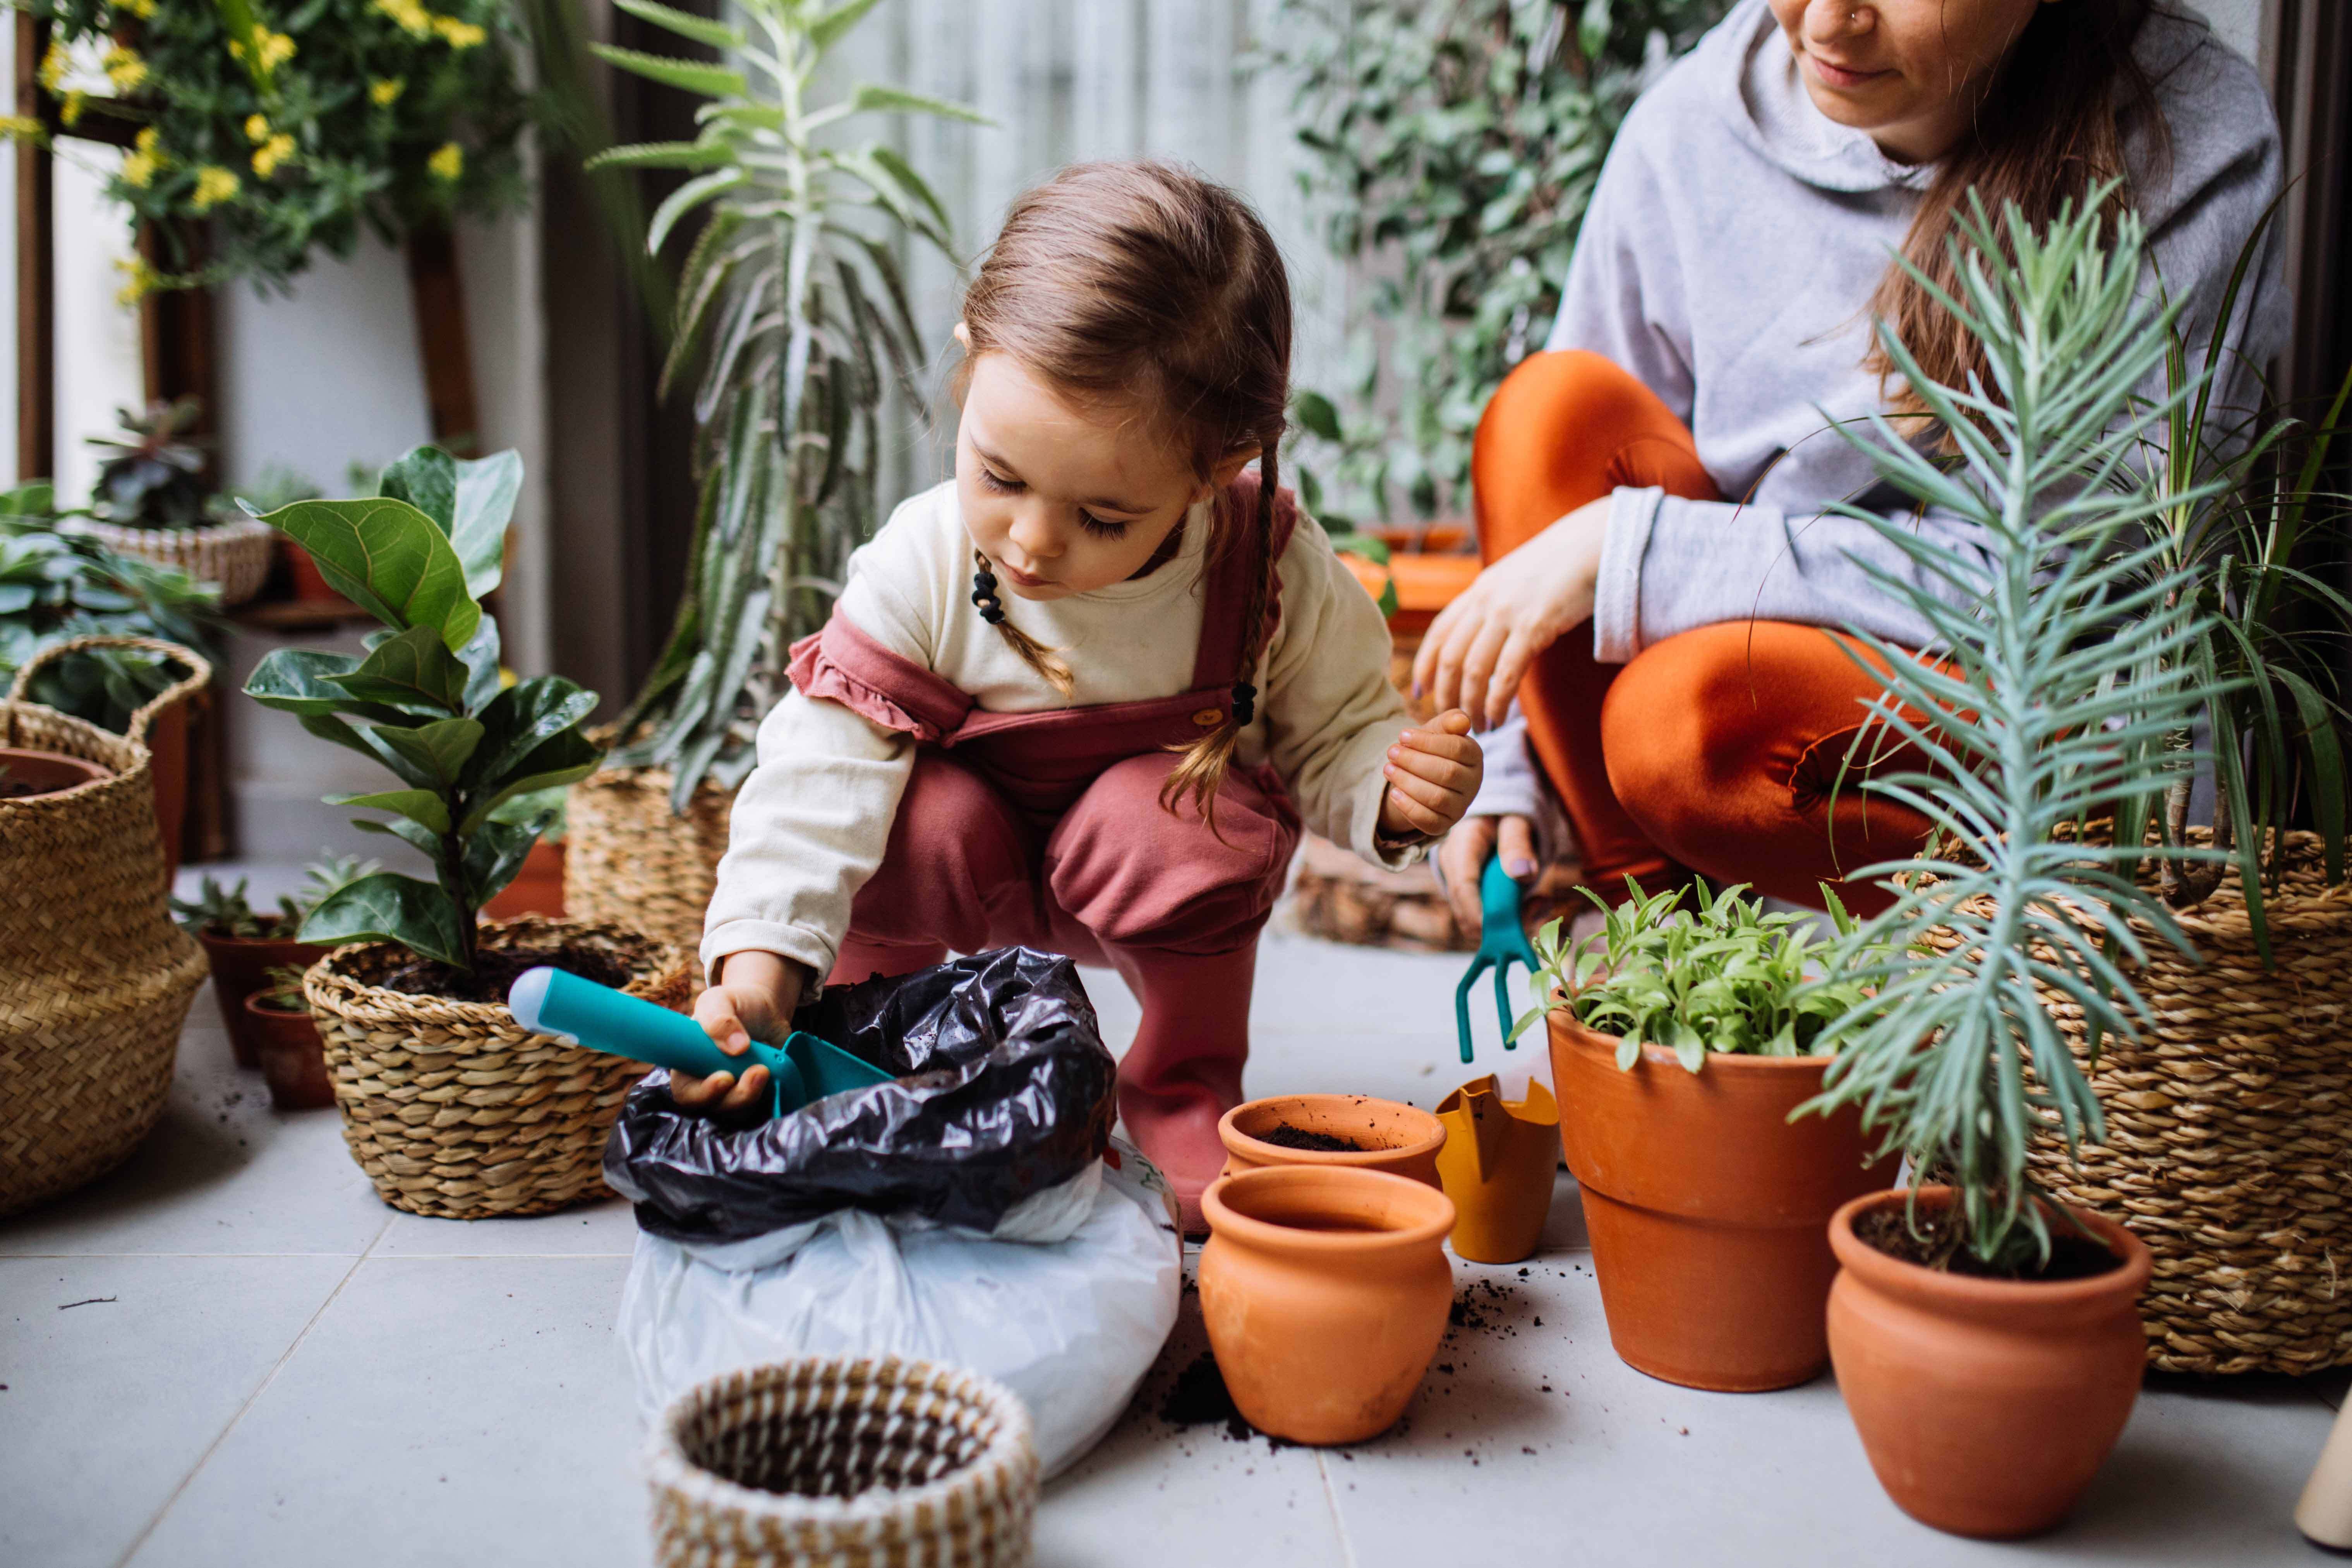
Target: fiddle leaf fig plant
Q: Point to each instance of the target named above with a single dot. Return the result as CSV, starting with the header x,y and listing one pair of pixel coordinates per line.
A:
x,y
428,701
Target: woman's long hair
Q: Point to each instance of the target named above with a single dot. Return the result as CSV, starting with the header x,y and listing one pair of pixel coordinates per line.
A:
x,y
2052,129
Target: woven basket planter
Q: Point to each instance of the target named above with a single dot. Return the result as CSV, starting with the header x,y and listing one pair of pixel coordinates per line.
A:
x,y
96,980
627,859
2229,1147
236,555
844,1462
452,1108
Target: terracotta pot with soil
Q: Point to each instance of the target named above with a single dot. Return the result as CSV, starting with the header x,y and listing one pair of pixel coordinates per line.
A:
x,y
451,1108
1707,1205
241,967
1325,1290
285,1044
1332,1130
25,774
1986,1405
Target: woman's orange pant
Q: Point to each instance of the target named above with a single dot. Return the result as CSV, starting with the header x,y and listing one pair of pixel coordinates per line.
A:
x,y
1718,751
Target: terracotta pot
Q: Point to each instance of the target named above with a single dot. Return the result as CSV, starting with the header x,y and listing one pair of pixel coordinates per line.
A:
x,y
292,1060
241,967
49,773
1498,1166
167,739
1325,1289
1392,1137
1986,1405
1706,1206
538,888
302,573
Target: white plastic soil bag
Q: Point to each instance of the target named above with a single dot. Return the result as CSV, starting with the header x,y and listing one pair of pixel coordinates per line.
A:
x,y
1070,1324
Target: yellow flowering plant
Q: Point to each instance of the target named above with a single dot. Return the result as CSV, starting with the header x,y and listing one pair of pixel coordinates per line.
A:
x,y
278,126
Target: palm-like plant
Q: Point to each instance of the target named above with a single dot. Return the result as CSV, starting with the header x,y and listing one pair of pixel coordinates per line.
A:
x,y
794,307
2065,672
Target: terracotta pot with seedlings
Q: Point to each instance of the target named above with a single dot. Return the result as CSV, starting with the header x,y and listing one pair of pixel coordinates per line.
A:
x,y
1352,1130
286,1041
1983,1332
450,1107
245,947
1684,1039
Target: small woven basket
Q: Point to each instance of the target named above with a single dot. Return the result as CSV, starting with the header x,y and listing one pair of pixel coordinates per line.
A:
x,y
453,1109
235,554
846,1462
2229,1146
628,858
95,980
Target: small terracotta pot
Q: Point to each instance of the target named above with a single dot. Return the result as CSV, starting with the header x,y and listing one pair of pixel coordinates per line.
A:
x,y
302,575
1706,1206
1498,1166
1325,1289
1986,1405
49,773
167,740
241,967
1394,1138
538,888
292,1060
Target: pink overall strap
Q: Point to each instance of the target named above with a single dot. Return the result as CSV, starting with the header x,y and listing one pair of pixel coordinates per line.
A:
x,y
1236,555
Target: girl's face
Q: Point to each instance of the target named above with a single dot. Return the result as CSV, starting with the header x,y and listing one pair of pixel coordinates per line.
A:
x,y
1065,497
1909,73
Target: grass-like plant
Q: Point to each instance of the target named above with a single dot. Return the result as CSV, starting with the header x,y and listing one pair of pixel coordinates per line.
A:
x,y
1722,975
2064,672
796,310
427,701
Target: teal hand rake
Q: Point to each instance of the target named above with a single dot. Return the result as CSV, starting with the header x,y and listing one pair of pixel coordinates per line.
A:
x,y
1502,941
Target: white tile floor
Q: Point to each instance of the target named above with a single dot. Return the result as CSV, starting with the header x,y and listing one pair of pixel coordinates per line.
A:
x,y
229,1351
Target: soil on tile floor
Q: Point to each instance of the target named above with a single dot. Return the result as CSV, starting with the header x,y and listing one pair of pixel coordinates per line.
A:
x,y
1199,1398
1285,1136
1935,1243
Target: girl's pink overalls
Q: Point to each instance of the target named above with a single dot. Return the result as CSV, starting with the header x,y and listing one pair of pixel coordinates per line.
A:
x,y
1046,830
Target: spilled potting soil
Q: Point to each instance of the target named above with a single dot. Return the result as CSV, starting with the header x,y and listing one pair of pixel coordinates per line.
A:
x,y
1199,1398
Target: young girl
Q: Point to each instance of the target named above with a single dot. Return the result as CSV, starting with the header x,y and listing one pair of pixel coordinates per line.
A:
x,y
1081,697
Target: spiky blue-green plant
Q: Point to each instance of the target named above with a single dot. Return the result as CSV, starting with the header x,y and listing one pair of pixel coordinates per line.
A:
x,y
2063,675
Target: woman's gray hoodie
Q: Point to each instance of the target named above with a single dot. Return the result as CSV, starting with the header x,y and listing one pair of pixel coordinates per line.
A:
x,y
1733,243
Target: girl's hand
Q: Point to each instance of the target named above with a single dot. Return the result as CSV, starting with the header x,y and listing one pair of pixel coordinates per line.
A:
x,y
1480,646
1433,774
754,1001
1463,858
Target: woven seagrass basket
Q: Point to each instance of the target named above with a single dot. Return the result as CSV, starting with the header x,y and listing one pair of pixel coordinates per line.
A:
x,y
846,1462
453,1109
628,858
235,554
2229,1147
95,980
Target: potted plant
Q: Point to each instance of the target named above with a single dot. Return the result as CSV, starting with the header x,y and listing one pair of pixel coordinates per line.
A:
x,y
245,947
287,1041
1682,1038
151,501
799,322
1984,1332
450,1106
538,888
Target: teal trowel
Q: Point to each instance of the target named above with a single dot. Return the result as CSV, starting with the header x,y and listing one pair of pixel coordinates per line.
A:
x,y
804,1068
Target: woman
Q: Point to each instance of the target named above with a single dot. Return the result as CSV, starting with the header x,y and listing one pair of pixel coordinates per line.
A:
x,y
1662,469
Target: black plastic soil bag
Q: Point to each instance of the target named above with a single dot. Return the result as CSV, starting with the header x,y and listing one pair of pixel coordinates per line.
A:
x,y
1005,1090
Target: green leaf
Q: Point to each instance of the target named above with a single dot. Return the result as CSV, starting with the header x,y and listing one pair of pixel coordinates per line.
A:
x,y
299,680
701,29
869,96
413,669
388,907
437,751
414,833
427,478
662,155
827,27
422,806
1316,414
522,719
690,76
480,657
685,199
485,504
388,558
562,759
495,853
910,181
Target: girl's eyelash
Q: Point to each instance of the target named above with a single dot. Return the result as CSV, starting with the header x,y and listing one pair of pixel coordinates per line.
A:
x,y
1100,527
998,483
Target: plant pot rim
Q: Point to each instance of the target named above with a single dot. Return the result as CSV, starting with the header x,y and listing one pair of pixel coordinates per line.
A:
x,y
1225,1220
1565,1023
95,773
1876,1268
330,985
1432,1137
253,1005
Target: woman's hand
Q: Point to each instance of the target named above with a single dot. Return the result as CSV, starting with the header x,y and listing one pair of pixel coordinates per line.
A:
x,y
1433,776
754,1001
1480,646
1463,858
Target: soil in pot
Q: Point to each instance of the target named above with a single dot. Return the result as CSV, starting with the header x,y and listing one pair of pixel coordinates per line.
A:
x,y
1349,1129
241,967
1285,1136
1986,1405
25,774
495,970
1933,1241
292,1060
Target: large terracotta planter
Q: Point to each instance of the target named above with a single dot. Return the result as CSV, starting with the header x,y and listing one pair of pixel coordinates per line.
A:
x,y
1986,1405
1391,1137
1325,1290
241,967
1707,1205
26,774
293,1062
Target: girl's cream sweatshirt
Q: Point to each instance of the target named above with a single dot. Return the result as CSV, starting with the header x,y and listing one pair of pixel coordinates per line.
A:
x,y
812,818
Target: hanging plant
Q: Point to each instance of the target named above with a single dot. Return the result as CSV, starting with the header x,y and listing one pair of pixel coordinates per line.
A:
x,y
285,126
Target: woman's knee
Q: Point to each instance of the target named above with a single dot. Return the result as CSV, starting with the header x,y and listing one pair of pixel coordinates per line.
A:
x,y
1567,426
1134,872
